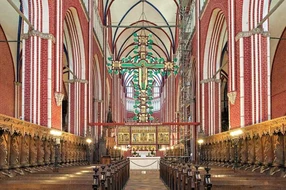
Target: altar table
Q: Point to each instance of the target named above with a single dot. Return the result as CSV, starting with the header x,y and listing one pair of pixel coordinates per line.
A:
x,y
144,163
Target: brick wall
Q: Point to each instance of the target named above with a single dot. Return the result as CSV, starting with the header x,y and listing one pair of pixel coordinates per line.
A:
x,y
7,92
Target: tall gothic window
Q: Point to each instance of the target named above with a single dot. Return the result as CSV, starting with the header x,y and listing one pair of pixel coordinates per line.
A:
x,y
156,90
130,90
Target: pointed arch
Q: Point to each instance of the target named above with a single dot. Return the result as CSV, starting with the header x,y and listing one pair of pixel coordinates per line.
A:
x,y
217,37
75,65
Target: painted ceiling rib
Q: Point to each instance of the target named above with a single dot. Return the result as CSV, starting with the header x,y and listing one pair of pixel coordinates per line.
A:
x,y
123,44
164,20
105,12
135,26
152,50
168,57
176,4
121,22
149,30
160,49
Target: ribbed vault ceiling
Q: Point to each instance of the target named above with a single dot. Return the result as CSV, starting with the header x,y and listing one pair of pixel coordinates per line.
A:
x,y
150,16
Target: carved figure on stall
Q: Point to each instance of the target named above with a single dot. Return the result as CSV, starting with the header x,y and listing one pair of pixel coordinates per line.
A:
x,y
258,153
47,157
33,151
15,153
227,152
231,154
63,151
267,154
243,152
25,151
278,153
52,150
3,150
223,152
250,152
40,151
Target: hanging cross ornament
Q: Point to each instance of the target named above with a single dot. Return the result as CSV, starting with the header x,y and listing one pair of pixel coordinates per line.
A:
x,y
144,67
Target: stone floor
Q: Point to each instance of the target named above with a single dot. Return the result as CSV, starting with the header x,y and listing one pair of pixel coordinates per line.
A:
x,y
68,178
226,178
80,178
145,180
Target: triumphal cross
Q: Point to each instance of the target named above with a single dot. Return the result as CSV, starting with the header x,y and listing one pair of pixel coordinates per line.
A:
x,y
143,66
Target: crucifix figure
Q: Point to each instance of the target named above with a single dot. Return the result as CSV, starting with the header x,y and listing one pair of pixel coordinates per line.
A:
x,y
143,66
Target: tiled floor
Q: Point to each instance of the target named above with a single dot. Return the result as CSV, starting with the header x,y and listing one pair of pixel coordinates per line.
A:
x,y
145,180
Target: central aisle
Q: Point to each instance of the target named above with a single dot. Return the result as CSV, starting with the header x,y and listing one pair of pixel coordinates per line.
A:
x,y
144,180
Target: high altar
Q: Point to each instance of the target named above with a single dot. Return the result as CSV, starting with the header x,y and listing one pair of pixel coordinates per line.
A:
x,y
143,140
142,137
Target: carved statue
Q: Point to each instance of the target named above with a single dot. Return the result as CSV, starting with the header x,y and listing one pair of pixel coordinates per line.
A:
x,y
278,150
231,153
73,152
25,150
227,151
258,151
4,150
250,151
243,151
239,150
14,151
213,152
52,149
47,148
40,151
221,151
277,144
268,153
206,150
69,155
33,151
59,153
63,151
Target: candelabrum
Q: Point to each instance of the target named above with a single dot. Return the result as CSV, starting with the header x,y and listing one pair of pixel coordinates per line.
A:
x,y
235,140
235,147
200,142
88,154
57,153
57,135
